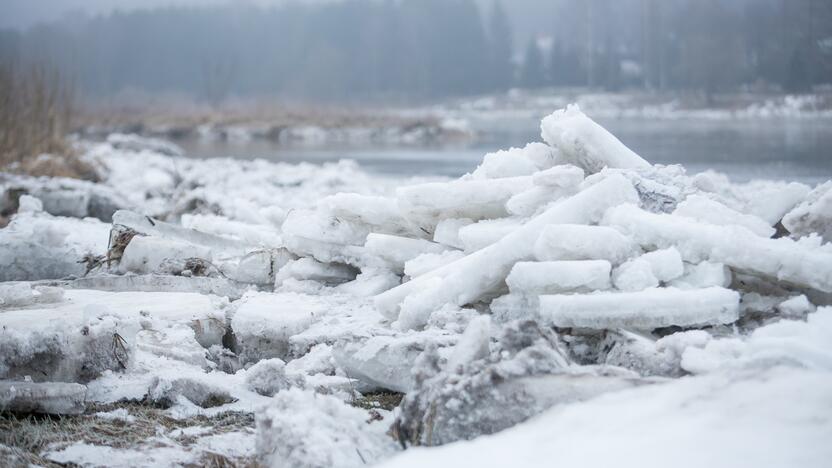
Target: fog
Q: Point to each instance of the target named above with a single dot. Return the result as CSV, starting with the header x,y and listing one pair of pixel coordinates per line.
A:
x,y
421,49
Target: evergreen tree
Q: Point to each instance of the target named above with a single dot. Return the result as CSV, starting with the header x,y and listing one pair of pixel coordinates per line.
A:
x,y
501,47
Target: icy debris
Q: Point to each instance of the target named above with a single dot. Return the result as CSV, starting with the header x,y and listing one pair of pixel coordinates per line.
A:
x,y
515,162
649,270
369,282
646,310
428,262
564,176
157,283
29,204
559,277
585,143
382,214
60,196
793,343
549,186
146,254
719,420
782,259
474,276
302,429
796,307
258,267
268,377
512,307
259,235
309,269
768,200
666,264
385,362
635,275
395,251
167,392
447,231
473,199
485,396
176,342
44,397
92,332
452,318
324,237
162,230
486,232
137,144
120,414
710,211
812,215
25,294
642,353
579,242
264,323
703,275
38,246
474,343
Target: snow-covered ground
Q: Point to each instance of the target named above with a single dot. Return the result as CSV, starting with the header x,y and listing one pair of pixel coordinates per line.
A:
x,y
519,103
565,302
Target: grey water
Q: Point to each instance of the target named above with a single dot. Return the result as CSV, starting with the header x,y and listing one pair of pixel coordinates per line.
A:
x,y
794,150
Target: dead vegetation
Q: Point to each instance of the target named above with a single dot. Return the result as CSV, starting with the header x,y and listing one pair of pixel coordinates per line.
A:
x,y
36,114
26,437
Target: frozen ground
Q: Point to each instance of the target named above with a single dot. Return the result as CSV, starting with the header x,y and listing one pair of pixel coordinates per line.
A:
x,y
564,302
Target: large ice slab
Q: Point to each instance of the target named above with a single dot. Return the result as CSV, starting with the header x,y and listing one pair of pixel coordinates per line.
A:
x,y
585,143
474,199
263,323
648,309
558,277
38,246
783,259
579,242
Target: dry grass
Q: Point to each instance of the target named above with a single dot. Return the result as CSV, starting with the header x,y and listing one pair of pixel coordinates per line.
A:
x,y
36,113
27,436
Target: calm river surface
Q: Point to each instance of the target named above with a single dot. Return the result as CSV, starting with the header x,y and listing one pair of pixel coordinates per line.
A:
x,y
799,150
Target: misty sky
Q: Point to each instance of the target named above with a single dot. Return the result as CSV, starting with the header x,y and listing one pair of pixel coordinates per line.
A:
x,y
20,14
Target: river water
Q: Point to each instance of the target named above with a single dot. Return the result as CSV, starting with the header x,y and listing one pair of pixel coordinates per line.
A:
x,y
796,150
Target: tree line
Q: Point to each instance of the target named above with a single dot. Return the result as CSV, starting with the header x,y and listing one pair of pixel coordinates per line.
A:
x,y
424,49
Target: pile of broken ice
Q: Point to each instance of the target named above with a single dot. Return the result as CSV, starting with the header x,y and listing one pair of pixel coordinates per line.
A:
x,y
549,275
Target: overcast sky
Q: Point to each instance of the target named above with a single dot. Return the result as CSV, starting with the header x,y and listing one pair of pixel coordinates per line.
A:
x,y
21,14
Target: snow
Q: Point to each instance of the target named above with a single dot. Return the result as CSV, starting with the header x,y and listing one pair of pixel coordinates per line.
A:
x,y
303,429
561,298
722,420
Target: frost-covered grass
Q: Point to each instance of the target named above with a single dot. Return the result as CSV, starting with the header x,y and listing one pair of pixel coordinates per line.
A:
x,y
148,427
